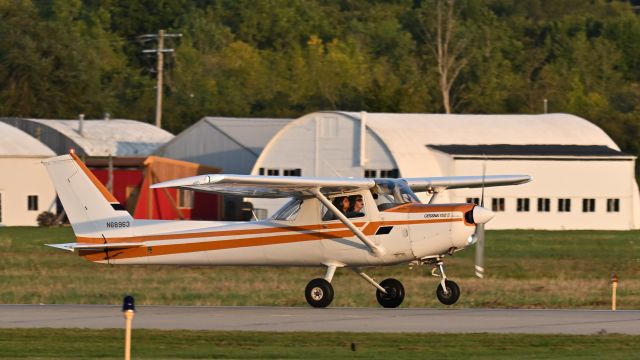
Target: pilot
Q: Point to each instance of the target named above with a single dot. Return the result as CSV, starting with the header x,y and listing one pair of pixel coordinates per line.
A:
x,y
356,204
345,205
341,203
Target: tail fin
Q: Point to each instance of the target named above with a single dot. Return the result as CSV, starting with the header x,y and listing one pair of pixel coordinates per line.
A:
x,y
93,212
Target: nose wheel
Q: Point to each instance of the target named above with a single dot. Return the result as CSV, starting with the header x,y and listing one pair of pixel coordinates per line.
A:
x,y
448,292
451,295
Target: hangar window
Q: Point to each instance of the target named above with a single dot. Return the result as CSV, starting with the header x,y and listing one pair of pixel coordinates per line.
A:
x,y
292,172
588,205
613,205
382,173
32,202
544,205
497,204
273,172
564,205
392,173
473,201
523,205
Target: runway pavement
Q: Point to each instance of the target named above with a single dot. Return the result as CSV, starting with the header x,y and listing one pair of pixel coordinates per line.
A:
x,y
332,319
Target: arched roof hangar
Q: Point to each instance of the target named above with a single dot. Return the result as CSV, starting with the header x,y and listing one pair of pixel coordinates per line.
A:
x,y
559,150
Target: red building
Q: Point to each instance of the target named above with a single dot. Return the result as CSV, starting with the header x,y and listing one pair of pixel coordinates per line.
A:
x,y
132,176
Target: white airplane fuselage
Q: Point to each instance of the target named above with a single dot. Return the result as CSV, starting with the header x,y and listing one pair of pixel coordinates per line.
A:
x,y
407,232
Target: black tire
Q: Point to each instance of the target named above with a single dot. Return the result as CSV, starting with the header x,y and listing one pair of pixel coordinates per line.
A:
x,y
319,293
394,296
452,295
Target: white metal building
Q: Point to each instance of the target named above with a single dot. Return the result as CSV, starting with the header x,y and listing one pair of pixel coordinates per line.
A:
x,y
581,178
98,138
232,144
25,190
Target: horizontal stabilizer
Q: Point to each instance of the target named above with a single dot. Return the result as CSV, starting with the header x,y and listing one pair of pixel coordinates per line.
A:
x,y
80,246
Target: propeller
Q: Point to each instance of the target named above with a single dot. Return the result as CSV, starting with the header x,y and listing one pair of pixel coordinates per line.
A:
x,y
479,233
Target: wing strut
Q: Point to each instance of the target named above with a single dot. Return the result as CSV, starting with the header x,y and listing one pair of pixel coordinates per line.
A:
x,y
375,249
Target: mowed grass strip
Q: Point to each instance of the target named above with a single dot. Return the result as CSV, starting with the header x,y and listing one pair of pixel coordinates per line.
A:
x,y
525,269
158,344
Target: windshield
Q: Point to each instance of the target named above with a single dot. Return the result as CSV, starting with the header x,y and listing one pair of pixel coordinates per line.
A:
x,y
390,193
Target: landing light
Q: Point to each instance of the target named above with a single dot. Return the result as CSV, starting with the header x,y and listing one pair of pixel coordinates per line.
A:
x,y
471,239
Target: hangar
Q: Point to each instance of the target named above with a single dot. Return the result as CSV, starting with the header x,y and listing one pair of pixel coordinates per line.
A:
x,y
114,149
581,178
232,144
95,138
23,194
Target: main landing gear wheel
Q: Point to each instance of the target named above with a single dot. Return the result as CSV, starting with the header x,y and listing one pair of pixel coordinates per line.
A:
x,y
319,293
452,295
394,296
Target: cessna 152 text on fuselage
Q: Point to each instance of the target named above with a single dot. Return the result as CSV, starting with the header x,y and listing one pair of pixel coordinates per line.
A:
x,y
329,222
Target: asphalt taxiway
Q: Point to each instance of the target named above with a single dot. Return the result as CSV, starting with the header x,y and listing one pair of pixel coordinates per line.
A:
x,y
331,319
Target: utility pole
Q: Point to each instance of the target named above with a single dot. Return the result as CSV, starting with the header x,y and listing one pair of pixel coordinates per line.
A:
x,y
159,68
160,57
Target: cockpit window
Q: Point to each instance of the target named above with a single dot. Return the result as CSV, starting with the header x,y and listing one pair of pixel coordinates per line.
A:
x,y
350,206
289,211
391,193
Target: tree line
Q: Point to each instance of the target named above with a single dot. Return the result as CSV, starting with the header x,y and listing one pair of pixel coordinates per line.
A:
x,y
286,58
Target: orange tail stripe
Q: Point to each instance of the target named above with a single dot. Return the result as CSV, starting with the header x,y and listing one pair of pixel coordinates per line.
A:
x,y
107,195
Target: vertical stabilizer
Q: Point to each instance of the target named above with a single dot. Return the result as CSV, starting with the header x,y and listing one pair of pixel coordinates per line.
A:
x,y
94,214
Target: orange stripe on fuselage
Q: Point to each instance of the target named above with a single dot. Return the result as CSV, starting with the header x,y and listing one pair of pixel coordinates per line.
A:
x,y
170,249
103,190
217,245
219,233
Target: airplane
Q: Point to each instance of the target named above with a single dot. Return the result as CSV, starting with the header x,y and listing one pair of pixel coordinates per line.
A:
x,y
391,226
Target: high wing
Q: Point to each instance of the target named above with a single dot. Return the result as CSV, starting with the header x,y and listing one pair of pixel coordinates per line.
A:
x,y
458,182
294,186
267,186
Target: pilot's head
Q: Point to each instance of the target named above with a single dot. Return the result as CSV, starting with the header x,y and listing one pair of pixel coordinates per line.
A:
x,y
358,203
346,204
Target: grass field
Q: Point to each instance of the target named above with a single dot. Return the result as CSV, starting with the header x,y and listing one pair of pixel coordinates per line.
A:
x,y
525,269
157,344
